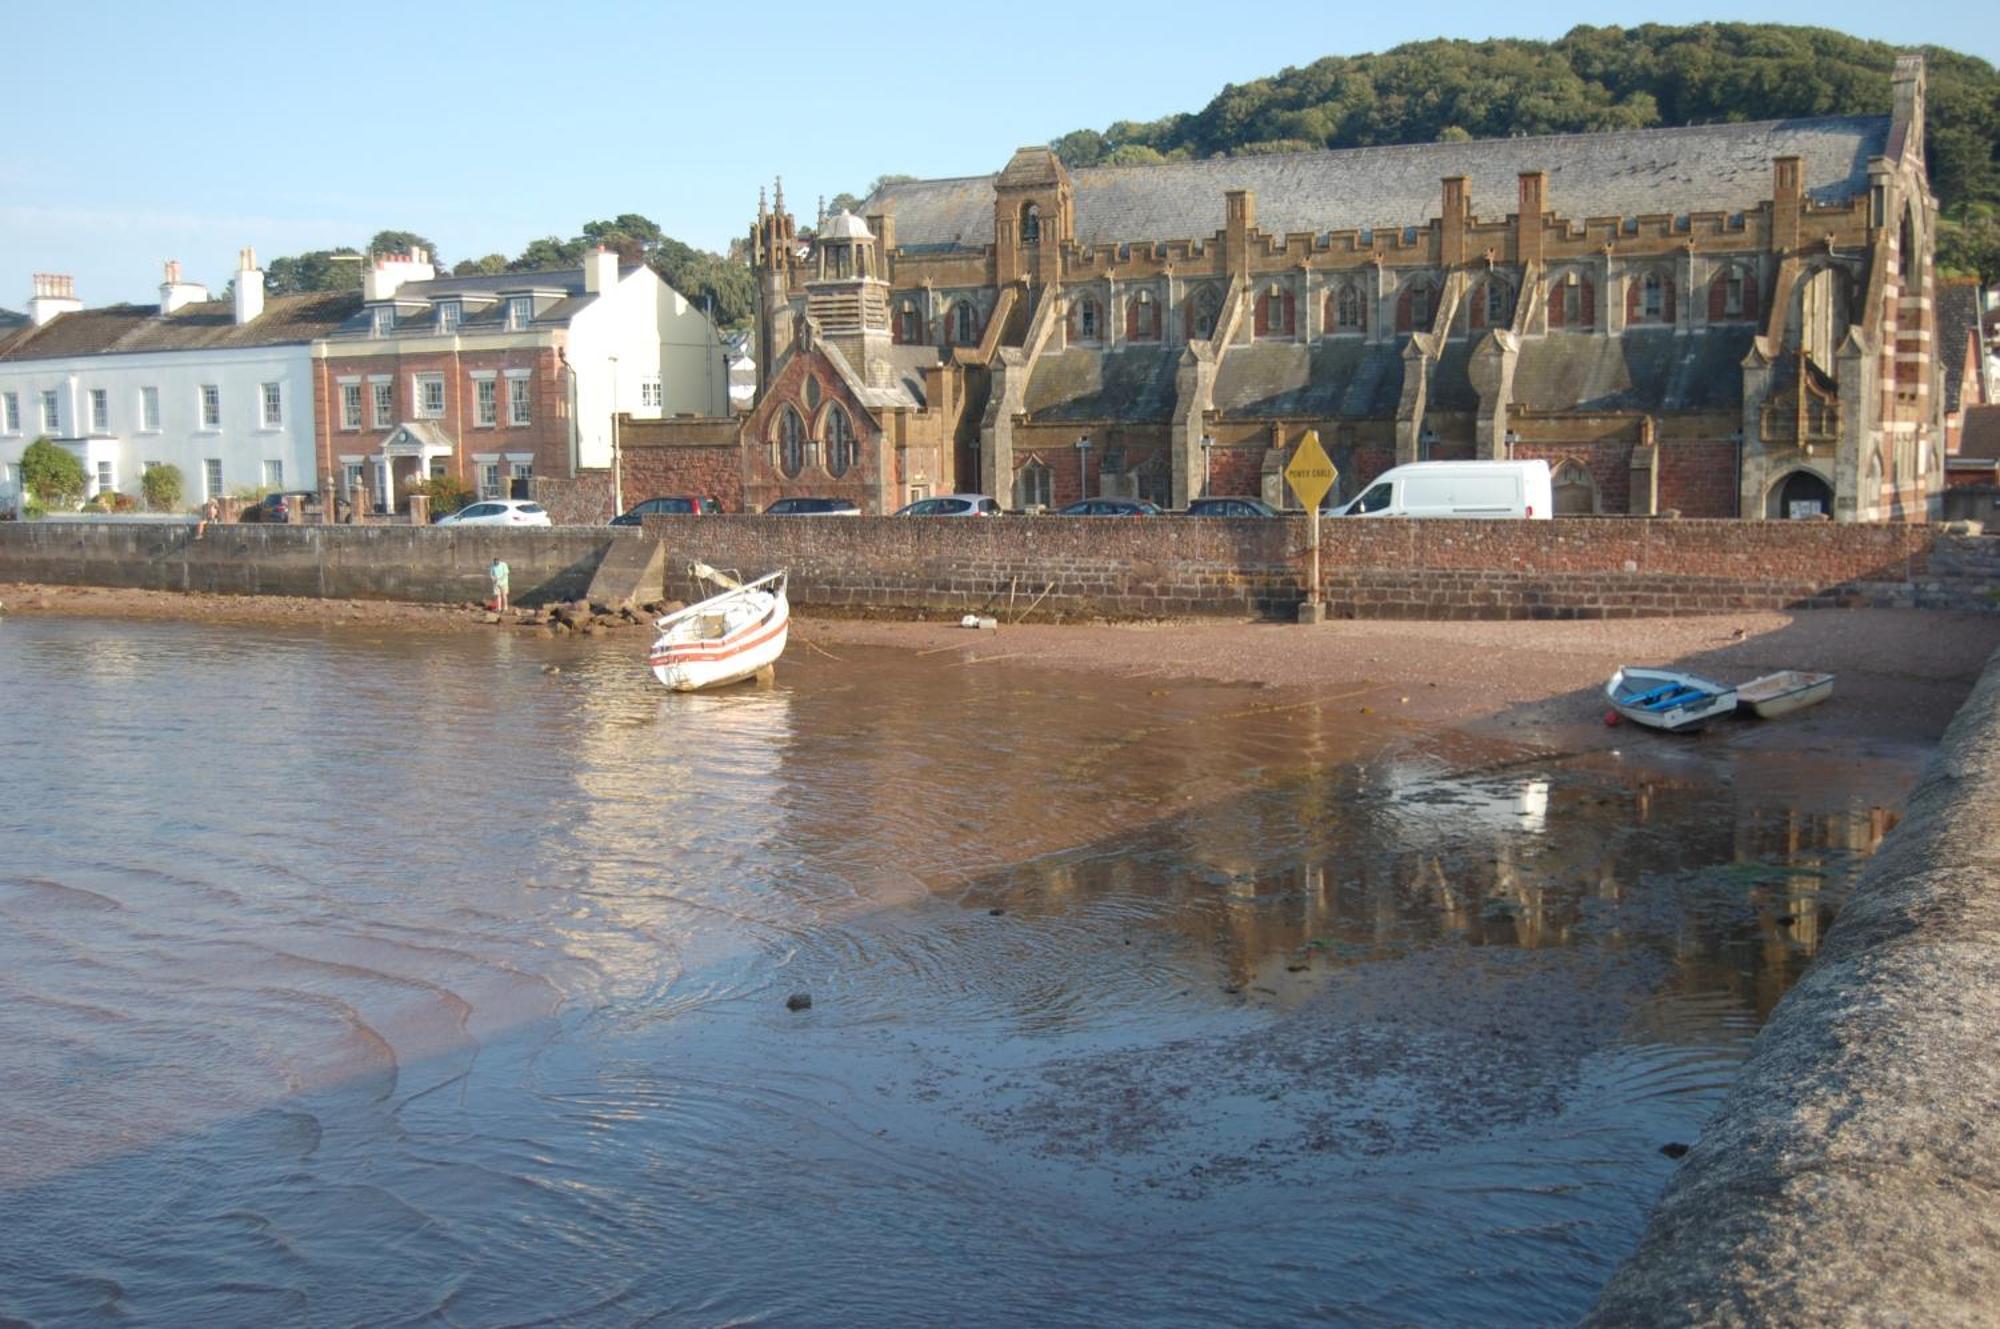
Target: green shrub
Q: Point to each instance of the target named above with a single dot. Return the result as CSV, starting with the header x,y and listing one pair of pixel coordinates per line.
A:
x,y
447,493
52,474
163,487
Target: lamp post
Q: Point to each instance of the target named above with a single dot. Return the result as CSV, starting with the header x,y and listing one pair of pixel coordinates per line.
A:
x,y
1207,446
1083,467
617,477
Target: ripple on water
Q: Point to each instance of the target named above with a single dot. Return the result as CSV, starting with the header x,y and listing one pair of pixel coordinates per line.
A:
x,y
395,980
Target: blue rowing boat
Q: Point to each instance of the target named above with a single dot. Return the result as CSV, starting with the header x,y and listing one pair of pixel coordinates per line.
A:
x,y
1666,699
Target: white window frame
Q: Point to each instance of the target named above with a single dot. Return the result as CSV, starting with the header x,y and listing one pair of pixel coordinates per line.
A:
x,y
10,412
271,405
649,392
421,387
382,321
350,405
485,401
385,412
105,474
274,473
450,312
100,410
52,412
520,400
209,407
520,312
149,410
490,484
211,477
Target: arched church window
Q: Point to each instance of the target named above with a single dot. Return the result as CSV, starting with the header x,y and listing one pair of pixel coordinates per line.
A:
x,y
1087,328
1034,485
1499,303
964,324
909,324
1203,313
791,442
1347,310
1142,317
839,442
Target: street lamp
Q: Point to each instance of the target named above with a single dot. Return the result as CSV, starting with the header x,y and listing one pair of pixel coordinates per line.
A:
x,y
617,479
1207,446
1083,467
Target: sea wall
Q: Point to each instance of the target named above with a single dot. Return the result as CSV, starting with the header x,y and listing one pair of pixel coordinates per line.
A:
x,y
1069,567
436,564
1849,1178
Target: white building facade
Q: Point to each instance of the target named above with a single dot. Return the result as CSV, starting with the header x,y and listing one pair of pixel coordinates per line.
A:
x,y
222,390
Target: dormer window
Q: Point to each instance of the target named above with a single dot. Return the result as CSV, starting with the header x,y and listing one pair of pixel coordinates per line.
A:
x,y
448,315
384,321
520,312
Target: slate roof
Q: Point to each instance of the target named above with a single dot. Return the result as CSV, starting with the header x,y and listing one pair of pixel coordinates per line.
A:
x,y
1339,378
481,316
10,320
1130,383
1957,322
1719,168
206,325
1981,436
1699,370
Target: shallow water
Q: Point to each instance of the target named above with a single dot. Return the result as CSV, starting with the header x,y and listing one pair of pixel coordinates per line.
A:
x,y
393,981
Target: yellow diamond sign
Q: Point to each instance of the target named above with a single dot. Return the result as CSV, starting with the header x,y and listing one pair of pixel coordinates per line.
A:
x,y
1312,472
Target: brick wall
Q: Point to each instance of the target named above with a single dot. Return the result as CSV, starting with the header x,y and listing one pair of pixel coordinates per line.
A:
x,y
582,501
546,435
1119,568
698,457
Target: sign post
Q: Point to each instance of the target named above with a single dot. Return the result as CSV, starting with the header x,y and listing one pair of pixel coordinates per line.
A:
x,y
1310,475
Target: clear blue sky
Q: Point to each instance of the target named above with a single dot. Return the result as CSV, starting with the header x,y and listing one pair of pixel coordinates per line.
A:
x,y
141,132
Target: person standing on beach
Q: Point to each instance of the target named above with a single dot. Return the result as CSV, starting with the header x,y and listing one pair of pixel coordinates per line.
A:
x,y
499,572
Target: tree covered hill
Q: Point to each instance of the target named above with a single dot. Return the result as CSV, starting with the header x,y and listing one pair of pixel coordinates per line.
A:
x,y
1594,79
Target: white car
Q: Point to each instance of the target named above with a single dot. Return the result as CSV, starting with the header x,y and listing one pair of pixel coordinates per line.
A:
x,y
497,512
951,505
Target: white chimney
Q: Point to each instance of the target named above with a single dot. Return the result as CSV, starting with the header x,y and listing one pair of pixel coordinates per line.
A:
x,y
55,293
600,270
175,293
249,286
390,271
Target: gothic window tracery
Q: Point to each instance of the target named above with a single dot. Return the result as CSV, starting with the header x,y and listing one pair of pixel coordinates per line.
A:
x,y
1349,314
791,443
1142,317
840,449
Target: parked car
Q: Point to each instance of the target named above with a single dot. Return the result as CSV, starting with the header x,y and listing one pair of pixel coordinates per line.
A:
x,y
951,505
1111,507
1457,489
814,507
283,507
1230,506
682,505
497,512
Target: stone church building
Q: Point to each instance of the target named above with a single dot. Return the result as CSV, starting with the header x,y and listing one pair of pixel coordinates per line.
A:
x,y
1721,320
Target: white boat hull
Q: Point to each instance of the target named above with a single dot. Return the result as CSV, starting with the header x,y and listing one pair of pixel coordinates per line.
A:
x,y
723,640
1780,694
1667,699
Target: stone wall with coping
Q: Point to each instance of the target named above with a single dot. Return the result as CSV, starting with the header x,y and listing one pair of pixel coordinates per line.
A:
x,y
1082,567
1849,1176
433,564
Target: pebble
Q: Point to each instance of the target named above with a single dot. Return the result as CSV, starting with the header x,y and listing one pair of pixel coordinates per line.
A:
x,y
1674,1149
552,669
799,1001
996,911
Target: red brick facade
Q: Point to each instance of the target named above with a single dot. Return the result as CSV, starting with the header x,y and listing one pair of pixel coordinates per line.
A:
x,y
546,435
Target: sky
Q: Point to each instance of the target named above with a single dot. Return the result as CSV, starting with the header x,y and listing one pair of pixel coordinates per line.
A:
x,y
144,132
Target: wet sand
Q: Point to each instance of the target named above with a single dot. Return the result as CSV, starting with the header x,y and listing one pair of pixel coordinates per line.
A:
x,y
1901,674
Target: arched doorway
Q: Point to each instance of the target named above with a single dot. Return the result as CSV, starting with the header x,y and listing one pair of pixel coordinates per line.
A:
x,y
1800,494
1574,493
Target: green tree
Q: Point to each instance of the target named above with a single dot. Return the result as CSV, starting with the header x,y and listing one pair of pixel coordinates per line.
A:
x,y
1969,245
315,270
490,266
549,252
52,474
447,493
163,487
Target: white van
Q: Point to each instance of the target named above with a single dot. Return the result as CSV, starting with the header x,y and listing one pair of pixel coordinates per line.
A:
x,y
1493,489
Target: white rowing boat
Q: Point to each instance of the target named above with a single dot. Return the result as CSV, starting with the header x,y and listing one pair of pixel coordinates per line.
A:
x,y
1667,699
1782,693
726,638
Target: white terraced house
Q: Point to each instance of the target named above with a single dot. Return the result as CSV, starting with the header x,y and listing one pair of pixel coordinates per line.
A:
x,y
222,389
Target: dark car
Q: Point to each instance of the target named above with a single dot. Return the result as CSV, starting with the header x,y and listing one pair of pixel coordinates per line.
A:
x,y
280,507
1230,506
1111,507
679,505
814,507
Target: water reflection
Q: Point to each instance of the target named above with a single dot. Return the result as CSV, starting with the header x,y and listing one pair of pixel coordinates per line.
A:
x,y
383,980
